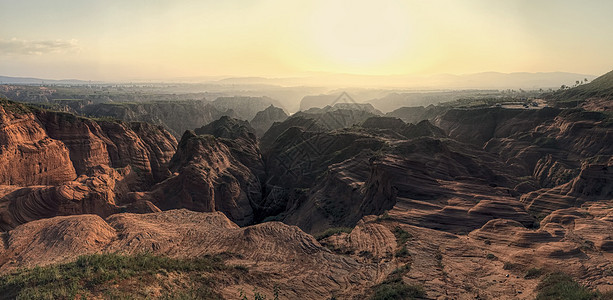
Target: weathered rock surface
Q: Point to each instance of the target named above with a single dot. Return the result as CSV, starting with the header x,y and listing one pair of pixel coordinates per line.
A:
x,y
483,196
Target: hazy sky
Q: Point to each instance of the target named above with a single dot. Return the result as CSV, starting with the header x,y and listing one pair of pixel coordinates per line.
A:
x,y
157,39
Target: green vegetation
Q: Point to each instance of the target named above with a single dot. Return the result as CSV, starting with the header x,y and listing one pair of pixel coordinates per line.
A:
x,y
439,260
533,273
106,119
511,266
560,286
402,252
332,231
398,290
491,256
401,270
402,236
393,288
117,276
601,87
13,107
385,216
258,296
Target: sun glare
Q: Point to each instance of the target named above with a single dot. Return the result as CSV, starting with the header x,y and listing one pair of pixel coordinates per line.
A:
x,y
359,34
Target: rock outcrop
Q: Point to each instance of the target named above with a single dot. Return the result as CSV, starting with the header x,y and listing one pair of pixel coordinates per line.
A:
x,y
60,164
264,119
28,155
218,169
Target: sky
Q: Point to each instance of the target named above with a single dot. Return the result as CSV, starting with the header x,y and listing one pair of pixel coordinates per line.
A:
x,y
164,39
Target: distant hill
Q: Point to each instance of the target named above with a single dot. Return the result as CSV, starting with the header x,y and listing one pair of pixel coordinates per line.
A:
x,y
31,80
595,95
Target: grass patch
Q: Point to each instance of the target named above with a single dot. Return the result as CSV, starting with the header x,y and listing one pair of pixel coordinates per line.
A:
x,y
560,286
96,274
332,231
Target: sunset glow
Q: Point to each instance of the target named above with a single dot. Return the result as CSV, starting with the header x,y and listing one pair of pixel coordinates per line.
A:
x,y
155,40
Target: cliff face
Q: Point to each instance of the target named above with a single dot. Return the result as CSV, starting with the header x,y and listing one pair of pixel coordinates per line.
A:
x,y
86,142
176,116
28,155
74,165
116,144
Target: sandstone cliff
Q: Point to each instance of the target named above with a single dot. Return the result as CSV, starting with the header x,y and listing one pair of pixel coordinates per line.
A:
x,y
75,165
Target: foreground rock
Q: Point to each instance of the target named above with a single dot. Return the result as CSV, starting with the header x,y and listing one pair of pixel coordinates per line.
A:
x,y
280,255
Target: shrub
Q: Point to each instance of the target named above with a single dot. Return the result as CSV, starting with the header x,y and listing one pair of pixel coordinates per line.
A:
x,y
401,270
397,289
401,235
257,295
332,231
510,266
490,256
384,216
533,273
402,252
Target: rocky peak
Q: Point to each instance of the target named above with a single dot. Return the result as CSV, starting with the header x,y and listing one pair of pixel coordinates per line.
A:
x,y
228,128
265,118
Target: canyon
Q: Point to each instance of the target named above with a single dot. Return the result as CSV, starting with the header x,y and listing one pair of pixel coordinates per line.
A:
x,y
332,202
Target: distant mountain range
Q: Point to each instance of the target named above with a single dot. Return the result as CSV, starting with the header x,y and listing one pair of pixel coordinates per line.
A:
x,y
31,80
485,80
